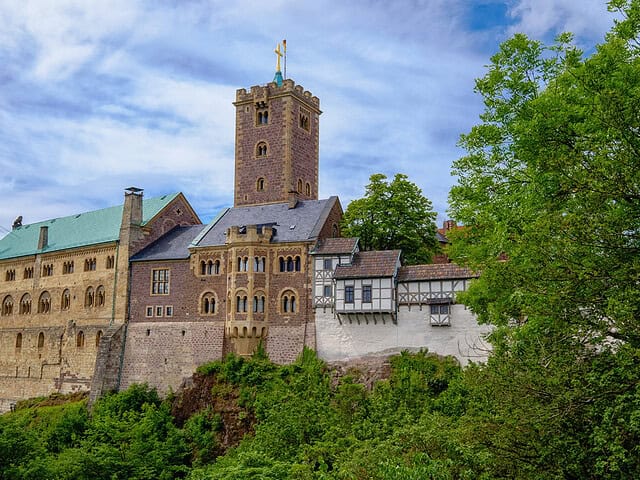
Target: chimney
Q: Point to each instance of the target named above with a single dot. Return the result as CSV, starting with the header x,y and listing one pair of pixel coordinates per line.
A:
x,y
293,200
43,241
132,210
449,225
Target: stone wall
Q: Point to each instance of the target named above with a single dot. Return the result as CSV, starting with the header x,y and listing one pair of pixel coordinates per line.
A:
x,y
163,354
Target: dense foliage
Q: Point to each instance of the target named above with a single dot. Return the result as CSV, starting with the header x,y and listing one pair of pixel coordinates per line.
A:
x,y
393,215
308,425
550,194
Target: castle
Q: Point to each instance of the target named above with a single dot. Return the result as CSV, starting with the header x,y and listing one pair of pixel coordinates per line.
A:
x,y
143,292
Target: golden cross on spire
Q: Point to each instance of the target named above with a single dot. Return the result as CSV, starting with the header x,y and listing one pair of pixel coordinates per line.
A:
x,y
279,54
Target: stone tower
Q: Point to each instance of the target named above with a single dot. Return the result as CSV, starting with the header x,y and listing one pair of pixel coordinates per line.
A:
x,y
276,144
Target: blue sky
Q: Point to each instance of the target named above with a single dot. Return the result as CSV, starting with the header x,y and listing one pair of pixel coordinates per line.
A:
x,y
97,96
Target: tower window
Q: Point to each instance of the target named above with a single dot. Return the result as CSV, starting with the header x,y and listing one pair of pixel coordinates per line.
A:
x,y
299,186
261,149
303,119
308,189
262,115
260,184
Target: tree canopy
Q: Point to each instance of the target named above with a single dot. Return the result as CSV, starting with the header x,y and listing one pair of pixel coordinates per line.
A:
x,y
393,215
550,193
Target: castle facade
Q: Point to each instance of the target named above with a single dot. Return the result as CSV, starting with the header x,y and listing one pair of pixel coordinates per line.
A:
x,y
144,292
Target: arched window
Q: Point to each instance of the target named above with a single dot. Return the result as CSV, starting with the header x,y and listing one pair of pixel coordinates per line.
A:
x,y
7,305
80,339
100,296
41,340
263,116
25,304
260,184
44,303
28,272
297,264
261,149
203,268
288,302
241,304
98,337
289,264
258,264
89,297
307,189
335,233
208,305
258,303
299,186
282,264
65,304
19,341
216,267
111,261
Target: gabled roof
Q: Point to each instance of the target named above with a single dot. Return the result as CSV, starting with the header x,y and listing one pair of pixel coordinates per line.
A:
x,y
373,264
298,224
83,229
335,246
174,245
434,271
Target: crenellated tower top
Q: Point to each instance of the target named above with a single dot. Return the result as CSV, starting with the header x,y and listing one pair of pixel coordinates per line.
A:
x,y
277,144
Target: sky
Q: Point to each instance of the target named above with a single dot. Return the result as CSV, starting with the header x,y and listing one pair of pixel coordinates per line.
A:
x,y
97,96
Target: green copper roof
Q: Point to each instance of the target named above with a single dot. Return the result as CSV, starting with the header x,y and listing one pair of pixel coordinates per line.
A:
x,y
83,229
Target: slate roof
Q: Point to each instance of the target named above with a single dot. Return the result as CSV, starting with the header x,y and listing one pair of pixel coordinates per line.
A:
x,y
372,264
434,271
291,225
173,245
335,246
83,229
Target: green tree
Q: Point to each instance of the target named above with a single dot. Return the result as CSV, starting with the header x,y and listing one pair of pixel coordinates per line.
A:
x,y
551,182
393,215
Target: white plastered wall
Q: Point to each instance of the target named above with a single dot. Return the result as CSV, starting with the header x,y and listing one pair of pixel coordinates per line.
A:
x,y
463,339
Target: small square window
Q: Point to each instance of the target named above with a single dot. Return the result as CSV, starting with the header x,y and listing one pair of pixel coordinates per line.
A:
x,y
149,311
159,311
168,311
328,264
440,309
327,291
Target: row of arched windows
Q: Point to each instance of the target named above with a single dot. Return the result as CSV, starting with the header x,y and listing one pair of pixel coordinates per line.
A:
x,y
68,267
259,264
209,267
80,339
92,298
288,303
290,264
